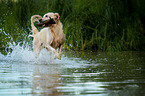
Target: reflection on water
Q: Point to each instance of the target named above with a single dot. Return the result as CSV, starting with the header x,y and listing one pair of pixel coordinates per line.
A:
x,y
78,73
46,79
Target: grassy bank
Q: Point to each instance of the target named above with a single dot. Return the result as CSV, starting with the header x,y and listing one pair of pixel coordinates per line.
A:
x,y
88,24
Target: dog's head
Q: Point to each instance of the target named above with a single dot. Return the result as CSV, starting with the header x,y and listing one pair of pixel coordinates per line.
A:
x,y
48,20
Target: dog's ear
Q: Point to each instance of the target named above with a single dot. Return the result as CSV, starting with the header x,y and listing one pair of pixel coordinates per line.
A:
x,y
57,15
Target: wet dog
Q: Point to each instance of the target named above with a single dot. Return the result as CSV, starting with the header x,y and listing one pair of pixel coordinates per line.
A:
x,y
51,36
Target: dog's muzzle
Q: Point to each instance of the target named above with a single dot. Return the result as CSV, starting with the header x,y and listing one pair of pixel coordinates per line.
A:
x,y
45,23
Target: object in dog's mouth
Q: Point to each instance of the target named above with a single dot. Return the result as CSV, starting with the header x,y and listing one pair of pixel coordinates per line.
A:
x,y
46,23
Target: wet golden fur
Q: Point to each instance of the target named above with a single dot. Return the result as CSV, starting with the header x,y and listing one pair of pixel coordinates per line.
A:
x,y
51,37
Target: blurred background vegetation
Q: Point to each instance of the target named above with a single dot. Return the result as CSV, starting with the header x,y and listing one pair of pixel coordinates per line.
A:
x,y
105,25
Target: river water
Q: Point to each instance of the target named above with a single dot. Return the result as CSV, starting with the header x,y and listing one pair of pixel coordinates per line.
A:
x,y
76,74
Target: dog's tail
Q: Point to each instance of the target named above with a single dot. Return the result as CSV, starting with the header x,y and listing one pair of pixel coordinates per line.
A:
x,y
33,19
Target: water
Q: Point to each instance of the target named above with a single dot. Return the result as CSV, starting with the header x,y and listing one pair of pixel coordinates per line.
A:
x,y
77,74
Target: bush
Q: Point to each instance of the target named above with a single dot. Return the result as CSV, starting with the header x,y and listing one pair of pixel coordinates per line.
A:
x,y
88,24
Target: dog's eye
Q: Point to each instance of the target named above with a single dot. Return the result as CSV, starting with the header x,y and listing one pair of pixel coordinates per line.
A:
x,y
46,16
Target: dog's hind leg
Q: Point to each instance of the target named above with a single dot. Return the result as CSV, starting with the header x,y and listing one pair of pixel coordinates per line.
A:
x,y
53,50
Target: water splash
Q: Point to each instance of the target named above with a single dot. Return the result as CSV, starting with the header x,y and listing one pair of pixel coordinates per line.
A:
x,y
22,52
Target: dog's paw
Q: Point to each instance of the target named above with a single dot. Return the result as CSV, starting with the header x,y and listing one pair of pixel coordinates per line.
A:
x,y
58,56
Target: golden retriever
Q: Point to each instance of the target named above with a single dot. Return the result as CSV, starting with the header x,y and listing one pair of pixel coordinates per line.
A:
x,y
51,36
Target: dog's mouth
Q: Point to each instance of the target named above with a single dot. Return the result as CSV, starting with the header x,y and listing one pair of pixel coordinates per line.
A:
x,y
45,23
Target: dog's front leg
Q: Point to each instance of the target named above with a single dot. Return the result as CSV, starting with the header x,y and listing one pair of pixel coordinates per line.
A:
x,y
53,50
60,49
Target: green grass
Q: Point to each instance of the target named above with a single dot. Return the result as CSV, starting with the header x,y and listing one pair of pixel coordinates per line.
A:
x,y
88,24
